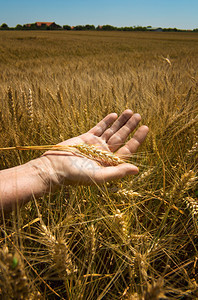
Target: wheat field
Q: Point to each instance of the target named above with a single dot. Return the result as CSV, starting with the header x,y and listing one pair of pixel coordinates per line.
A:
x,y
135,238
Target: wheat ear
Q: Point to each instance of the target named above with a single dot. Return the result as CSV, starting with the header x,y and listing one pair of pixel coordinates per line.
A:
x,y
59,252
13,280
185,183
12,108
89,151
192,204
99,155
30,111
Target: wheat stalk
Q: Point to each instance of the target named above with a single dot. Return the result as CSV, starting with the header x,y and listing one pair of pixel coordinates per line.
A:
x,y
60,98
12,108
89,151
141,266
2,121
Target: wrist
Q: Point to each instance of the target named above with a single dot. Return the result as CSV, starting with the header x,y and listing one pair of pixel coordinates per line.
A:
x,y
22,183
46,176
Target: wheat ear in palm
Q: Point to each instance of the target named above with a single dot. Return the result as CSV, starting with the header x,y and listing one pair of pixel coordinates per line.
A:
x,y
89,151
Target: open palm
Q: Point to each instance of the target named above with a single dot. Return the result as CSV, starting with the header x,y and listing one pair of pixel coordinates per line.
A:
x,y
109,134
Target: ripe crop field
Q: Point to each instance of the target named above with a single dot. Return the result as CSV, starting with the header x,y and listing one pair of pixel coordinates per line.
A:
x,y
135,238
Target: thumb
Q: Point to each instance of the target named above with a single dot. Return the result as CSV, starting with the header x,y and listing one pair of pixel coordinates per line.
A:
x,y
115,172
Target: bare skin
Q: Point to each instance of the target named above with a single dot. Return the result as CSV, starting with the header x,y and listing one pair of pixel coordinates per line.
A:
x,y
57,168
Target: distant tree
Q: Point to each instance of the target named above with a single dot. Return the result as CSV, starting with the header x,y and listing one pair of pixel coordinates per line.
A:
x,y
166,29
108,28
25,27
4,26
66,27
127,28
78,27
30,27
89,27
54,26
140,28
170,29
19,27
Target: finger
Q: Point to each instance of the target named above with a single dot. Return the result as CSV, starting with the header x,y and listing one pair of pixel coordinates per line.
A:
x,y
121,135
117,172
133,144
103,125
125,116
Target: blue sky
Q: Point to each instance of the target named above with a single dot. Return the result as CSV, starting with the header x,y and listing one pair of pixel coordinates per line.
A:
x,y
167,13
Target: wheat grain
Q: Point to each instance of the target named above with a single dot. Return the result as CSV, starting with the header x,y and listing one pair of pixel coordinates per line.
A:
x,y
128,193
144,175
192,204
194,149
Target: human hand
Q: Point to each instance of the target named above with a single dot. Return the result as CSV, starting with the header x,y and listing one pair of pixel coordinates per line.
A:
x,y
110,135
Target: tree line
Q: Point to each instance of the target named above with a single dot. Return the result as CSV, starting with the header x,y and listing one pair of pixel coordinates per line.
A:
x,y
55,26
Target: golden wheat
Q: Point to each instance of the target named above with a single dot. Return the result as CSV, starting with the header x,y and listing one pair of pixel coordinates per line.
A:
x,y
185,183
30,110
59,252
14,283
192,204
90,151
124,236
12,108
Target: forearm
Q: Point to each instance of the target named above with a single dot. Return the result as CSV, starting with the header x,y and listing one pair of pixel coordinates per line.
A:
x,y
20,184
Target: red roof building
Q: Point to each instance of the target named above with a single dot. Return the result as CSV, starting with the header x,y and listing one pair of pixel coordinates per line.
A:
x,y
51,25
44,23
